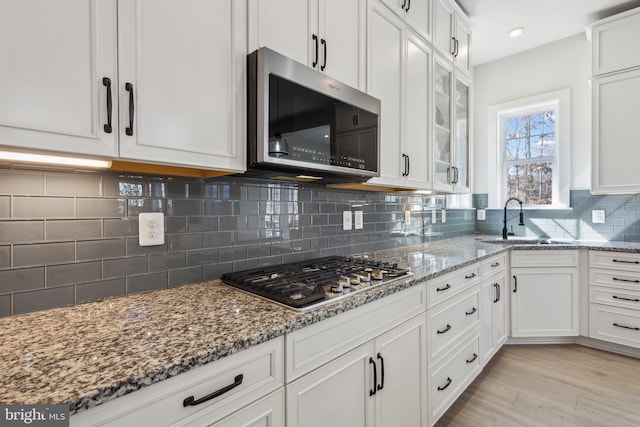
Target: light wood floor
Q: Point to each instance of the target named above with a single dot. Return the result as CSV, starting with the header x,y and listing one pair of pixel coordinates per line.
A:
x,y
551,385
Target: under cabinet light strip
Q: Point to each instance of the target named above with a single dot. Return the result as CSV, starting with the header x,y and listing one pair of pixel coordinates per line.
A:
x,y
58,160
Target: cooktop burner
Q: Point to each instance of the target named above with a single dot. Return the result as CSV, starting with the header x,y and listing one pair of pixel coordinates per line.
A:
x,y
307,284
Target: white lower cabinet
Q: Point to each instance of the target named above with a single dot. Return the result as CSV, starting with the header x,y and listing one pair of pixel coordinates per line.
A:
x,y
381,382
614,297
248,382
544,294
493,309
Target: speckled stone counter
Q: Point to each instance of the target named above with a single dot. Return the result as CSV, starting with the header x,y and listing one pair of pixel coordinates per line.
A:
x,y
91,353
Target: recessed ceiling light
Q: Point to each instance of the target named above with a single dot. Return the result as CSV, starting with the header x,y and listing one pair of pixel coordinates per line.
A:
x,y
515,32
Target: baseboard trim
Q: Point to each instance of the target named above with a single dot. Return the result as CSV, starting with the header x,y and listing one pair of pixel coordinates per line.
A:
x,y
584,341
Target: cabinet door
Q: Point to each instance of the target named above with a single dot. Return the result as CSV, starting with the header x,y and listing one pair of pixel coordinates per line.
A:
x,y
416,114
401,355
544,302
463,48
54,59
337,394
343,30
611,43
493,315
615,160
185,85
285,26
461,136
442,149
385,83
418,17
443,26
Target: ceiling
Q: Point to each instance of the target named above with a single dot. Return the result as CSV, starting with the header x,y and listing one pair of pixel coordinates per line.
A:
x,y
544,21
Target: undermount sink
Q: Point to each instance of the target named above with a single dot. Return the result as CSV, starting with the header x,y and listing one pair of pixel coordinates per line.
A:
x,y
530,241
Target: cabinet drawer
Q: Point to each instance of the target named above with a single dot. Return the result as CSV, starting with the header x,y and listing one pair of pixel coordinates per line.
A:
x,y
261,368
544,258
615,278
614,324
616,297
494,264
446,286
315,345
449,321
448,381
618,260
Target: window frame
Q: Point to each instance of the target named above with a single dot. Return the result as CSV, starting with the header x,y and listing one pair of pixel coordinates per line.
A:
x,y
559,102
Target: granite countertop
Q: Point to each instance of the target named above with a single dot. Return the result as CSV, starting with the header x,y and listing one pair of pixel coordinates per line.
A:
x,y
91,353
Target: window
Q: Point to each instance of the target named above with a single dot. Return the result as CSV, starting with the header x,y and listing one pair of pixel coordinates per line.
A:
x,y
531,151
528,147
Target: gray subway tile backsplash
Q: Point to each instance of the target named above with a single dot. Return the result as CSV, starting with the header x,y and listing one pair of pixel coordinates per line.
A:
x,y
80,231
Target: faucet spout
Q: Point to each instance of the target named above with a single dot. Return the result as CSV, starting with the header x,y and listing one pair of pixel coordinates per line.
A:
x,y
505,233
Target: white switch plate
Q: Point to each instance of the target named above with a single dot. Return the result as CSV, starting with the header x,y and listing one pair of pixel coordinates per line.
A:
x,y
482,214
358,220
346,220
598,216
434,216
444,216
151,228
407,217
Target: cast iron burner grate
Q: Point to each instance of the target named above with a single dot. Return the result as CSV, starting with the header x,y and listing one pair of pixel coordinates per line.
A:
x,y
306,284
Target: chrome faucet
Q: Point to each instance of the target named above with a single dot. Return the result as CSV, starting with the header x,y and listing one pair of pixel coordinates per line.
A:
x,y
504,229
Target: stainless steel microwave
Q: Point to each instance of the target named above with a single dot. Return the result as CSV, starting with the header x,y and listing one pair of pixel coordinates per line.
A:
x,y
305,126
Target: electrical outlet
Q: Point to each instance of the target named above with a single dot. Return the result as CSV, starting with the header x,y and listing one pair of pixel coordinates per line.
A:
x,y
434,216
151,228
346,220
482,214
407,217
358,220
598,216
444,216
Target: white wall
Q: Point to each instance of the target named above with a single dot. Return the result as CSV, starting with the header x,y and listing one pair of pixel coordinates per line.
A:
x,y
559,65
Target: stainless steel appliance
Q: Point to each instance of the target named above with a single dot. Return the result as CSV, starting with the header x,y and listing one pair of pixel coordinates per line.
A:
x,y
307,284
304,125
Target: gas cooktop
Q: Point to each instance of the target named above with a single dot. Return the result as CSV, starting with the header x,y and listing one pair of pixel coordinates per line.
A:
x,y
307,284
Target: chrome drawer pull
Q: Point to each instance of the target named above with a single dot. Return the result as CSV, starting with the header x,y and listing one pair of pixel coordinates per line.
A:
x,y
626,262
445,330
442,387
626,280
469,313
191,401
443,289
473,358
470,276
626,299
626,327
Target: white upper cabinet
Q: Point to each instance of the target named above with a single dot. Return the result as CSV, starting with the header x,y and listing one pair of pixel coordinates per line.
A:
x,y
613,40
615,87
452,34
451,130
399,75
54,60
181,82
415,13
327,35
